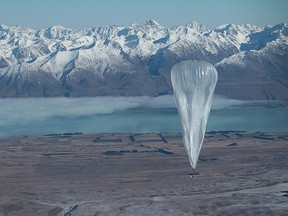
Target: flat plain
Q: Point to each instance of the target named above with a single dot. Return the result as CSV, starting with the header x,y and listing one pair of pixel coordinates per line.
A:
x,y
239,173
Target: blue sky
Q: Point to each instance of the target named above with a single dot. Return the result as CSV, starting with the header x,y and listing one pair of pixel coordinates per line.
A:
x,y
79,14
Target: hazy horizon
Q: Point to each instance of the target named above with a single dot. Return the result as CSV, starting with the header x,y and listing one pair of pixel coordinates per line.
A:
x,y
78,15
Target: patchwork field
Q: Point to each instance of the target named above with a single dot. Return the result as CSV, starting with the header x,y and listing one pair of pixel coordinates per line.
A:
x,y
240,173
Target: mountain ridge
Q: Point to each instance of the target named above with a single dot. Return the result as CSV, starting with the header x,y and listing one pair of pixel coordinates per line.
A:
x,y
137,59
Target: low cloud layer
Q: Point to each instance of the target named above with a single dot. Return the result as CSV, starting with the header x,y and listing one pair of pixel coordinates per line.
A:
x,y
36,116
36,109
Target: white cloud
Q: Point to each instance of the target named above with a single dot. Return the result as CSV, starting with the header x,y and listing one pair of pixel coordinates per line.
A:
x,y
37,116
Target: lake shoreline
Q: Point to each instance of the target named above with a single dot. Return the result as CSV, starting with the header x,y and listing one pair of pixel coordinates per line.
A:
x,y
207,134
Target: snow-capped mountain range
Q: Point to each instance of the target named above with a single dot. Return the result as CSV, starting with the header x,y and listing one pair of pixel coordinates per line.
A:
x,y
252,61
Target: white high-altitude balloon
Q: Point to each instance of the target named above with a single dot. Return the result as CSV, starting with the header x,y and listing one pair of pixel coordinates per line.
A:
x,y
193,84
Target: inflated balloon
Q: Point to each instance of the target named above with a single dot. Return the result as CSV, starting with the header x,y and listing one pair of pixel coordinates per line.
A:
x,y
193,84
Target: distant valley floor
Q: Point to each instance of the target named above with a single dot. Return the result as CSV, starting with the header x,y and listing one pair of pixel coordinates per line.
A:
x,y
240,173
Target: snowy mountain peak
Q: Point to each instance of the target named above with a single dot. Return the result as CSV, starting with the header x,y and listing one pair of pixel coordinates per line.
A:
x,y
4,27
227,29
222,27
152,23
105,60
55,32
279,29
259,39
197,26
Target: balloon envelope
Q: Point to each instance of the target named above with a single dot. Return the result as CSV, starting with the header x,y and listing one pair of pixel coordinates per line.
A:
x,y
193,84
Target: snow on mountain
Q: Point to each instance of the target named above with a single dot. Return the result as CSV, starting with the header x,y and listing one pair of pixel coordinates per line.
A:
x,y
60,62
263,63
258,40
260,43
237,34
129,60
57,33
